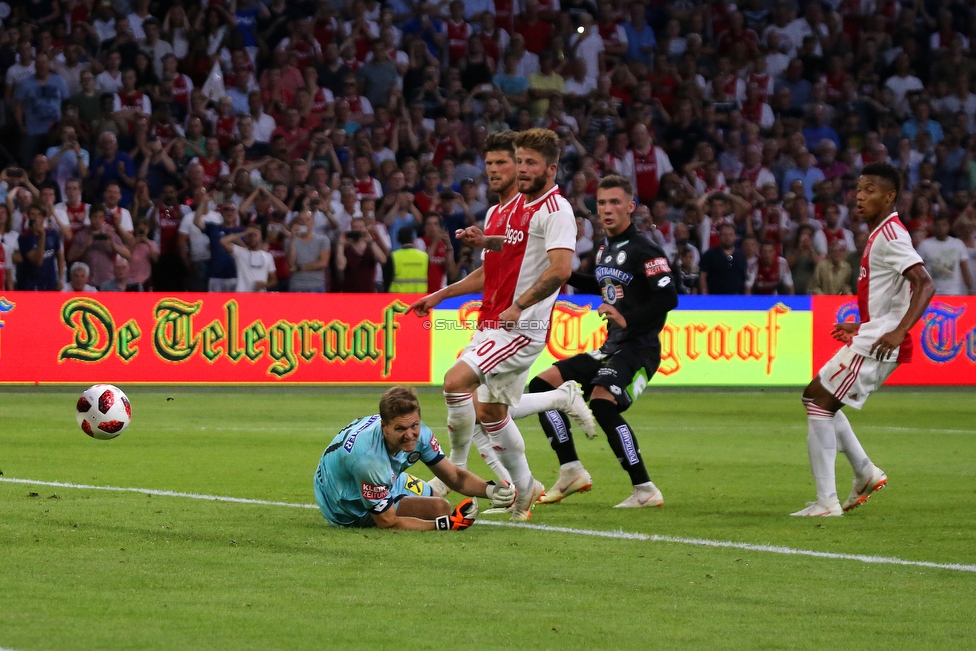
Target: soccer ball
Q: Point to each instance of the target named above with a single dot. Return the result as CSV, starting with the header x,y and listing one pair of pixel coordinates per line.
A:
x,y
103,411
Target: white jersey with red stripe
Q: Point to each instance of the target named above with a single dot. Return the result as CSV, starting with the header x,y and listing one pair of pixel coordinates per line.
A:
x,y
883,292
531,230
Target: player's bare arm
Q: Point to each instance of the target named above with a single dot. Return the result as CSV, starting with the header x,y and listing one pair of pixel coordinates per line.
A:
x,y
415,514
476,238
471,284
430,513
555,276
923,289
467,483
844,332
494,242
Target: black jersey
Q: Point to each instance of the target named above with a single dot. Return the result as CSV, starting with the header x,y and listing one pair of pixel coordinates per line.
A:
x,y
632,275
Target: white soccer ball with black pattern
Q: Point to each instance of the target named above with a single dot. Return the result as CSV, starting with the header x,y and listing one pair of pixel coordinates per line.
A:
x,y
103,411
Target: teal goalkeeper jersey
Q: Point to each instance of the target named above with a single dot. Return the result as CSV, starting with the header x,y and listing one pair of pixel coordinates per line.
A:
x,y
358,476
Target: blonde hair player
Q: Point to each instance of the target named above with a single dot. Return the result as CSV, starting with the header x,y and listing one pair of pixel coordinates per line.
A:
x,y
361,480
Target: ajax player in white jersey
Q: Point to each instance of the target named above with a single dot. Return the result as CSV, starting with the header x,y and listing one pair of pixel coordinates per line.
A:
x,y
520,279
568,398
893,292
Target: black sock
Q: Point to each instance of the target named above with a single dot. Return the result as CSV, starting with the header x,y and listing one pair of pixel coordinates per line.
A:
x,y
556,426
621,438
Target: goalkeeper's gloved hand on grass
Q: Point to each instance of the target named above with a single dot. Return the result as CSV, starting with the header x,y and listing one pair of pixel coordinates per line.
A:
x,y
463,517
501,495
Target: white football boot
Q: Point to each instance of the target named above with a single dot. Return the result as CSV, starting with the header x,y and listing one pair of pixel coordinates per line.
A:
x,y
577,409
829,509
863,488
641,497
522,509
573,480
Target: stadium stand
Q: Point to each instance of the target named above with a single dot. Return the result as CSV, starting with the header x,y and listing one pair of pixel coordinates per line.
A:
x,y
371,116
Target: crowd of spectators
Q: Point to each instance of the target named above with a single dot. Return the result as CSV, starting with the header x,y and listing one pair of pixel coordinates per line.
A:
x,y
292,145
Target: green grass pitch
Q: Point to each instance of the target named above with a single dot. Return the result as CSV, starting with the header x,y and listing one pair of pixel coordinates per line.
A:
x,y
88,569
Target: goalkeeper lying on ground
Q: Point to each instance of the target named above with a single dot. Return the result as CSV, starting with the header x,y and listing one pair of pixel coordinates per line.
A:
x,y
360,481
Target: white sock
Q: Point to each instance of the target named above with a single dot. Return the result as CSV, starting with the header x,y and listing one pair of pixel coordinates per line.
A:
x,y
536,403
572,465
488,453
849,445
507,441
460,426
822,448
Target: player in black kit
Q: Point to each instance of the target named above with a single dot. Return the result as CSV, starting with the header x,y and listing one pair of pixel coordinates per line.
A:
x,y
638,288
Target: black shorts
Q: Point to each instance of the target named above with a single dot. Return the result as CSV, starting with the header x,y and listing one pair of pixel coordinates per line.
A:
x,y
624,373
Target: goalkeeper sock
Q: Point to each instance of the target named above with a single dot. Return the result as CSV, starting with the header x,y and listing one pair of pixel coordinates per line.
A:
x,y
554,423
506,440
621,439
822,448
489,456
848,444
460,423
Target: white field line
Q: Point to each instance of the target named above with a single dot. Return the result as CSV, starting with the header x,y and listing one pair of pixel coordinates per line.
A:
x,y
620,535
152,491
702,542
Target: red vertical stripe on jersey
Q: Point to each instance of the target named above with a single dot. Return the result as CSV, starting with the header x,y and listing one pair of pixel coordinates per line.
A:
x,y
502,267
907,346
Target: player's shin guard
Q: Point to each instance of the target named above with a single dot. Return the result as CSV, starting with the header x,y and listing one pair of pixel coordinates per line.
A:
x,y
822,448
621,439
506,440
488,454
460,423
848,444
555,424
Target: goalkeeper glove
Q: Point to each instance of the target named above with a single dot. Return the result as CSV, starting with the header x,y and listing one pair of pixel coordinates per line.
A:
x,y
463,517
501,496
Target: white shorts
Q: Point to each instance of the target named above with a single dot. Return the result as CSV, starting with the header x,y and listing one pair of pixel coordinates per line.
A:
x,y
501,359
852,377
